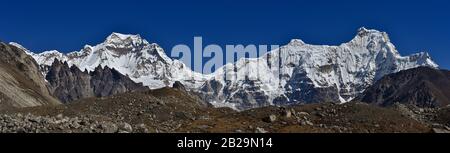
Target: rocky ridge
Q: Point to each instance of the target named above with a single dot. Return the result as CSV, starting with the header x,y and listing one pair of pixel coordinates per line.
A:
x,y
423,87
70,83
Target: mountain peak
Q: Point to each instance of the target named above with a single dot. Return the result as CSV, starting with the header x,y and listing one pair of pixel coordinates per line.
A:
x,y
423,59
124,36
296,42
119,38
363,31
371,37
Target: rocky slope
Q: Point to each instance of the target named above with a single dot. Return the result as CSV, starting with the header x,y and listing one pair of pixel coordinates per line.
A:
x,y
162,110
175,110
70,83
312,118
20,123
21,83
423,87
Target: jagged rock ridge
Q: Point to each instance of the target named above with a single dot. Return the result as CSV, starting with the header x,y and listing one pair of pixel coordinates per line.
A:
x,y
70,83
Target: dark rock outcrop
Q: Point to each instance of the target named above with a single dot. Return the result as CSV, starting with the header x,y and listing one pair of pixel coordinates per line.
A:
x,y
70,83
178,85
308,93
423,87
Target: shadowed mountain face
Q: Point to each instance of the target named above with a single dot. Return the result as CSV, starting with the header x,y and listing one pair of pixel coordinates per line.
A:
x,y
21,83
423,87
70,83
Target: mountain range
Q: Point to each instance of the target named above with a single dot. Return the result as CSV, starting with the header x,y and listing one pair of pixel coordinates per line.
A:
x,y
311,73
295,73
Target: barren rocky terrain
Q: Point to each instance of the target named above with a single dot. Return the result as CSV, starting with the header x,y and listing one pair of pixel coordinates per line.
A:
x,y
176,110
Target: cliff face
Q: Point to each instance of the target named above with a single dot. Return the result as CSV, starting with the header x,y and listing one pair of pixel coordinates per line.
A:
x,y
70,83
21,83
423,87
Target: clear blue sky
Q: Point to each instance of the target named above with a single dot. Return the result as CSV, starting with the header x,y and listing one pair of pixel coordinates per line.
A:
x,y
69,25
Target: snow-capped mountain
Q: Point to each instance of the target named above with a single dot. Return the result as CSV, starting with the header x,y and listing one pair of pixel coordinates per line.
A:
x,y
303,73
130,55
294,73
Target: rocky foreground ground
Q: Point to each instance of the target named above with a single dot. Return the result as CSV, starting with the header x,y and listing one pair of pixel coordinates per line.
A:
x,y
173,110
